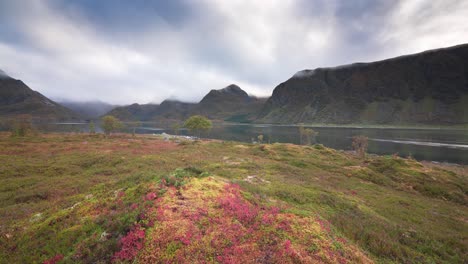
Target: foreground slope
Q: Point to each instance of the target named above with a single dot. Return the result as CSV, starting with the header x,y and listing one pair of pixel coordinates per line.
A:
x,y
424,88
90,199
16,98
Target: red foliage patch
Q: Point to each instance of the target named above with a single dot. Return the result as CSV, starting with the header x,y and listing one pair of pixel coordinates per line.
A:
x,y
131,244
151,196
54,260
234,205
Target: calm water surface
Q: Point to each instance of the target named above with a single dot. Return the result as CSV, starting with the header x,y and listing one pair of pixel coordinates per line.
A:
x,y
441,145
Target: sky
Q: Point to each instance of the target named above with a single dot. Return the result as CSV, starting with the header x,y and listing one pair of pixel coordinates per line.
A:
x,y
143,51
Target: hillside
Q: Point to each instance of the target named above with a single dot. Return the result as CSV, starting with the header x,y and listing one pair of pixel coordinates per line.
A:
x,y
230,103
425,88
89,109
166,111
91,199
16,98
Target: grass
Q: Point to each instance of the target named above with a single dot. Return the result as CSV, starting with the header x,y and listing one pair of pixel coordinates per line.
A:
x,y
89,199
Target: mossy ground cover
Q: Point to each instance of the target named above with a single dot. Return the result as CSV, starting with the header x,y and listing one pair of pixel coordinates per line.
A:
x,y
89,199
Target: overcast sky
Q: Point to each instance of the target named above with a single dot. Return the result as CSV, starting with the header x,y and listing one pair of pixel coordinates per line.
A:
x,y
122,51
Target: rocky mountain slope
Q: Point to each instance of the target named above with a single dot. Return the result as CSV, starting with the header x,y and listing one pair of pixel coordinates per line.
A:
x,y
426,88
231,103
16,98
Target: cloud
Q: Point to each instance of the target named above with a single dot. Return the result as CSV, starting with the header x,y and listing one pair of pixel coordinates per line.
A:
x,y
418,25
141,51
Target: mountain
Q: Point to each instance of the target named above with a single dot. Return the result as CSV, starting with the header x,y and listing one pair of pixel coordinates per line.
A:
x,y
425,88
90,109
16,98
167,110
174,110
134,112
228,99
230,103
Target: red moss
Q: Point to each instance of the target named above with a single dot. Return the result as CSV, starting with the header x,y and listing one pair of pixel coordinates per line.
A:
x,y
131,244
234,205
151,196
54,259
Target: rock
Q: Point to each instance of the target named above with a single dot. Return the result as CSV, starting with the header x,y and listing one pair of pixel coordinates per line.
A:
x,y
36,217
104,236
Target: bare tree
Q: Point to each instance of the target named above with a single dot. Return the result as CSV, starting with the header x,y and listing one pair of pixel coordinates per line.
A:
x,y
307,135
260,138
360,144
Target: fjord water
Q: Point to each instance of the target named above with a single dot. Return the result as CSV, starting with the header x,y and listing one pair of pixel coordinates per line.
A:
x,y
442,145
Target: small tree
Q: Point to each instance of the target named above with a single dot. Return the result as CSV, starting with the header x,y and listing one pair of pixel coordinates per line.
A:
x,y
133,126
306,135
176,127
22,125
310,135
260,138
92,127
110,124
301,133
360,144
198,124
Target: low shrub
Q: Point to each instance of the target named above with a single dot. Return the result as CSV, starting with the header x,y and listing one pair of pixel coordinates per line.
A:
x,y
180,176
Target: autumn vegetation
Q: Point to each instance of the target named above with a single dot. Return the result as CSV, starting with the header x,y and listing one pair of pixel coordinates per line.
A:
x,y
87,198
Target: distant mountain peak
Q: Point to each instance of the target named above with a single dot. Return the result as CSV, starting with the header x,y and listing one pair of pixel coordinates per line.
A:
x,y
229,90
170,101
232,88
3,75
304,74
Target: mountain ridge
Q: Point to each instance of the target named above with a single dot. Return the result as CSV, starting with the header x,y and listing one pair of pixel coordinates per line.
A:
x,y
430,87
228,102
16,98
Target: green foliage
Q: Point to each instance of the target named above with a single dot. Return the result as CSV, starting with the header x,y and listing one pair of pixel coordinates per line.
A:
x,y
197,124
180,176
110,124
